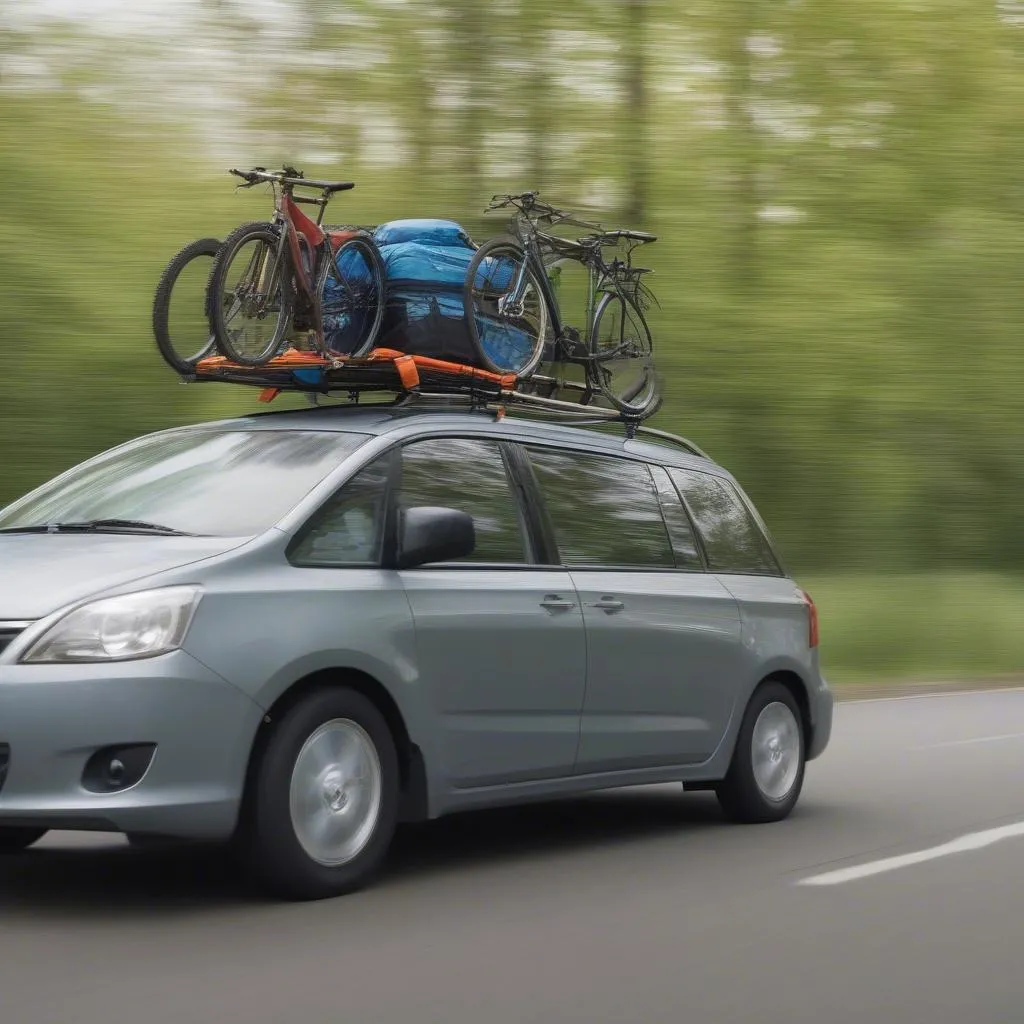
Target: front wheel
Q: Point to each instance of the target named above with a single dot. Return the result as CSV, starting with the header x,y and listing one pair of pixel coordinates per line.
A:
x,y
249,298
324,800
508,331
181,323
14,838
621,367
767,770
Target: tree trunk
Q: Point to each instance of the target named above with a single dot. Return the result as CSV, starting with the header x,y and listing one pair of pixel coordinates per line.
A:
x,y
634,74
744,145
538,93
473,57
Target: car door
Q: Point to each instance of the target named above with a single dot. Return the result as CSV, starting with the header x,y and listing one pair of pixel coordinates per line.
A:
x,y
500,646
663,636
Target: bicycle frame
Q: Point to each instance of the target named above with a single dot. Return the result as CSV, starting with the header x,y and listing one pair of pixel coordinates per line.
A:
x,y
307,246
601,276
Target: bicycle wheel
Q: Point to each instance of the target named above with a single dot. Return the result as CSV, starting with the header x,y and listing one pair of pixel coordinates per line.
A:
x,y
506,339
351,295
181,322
250,295
621,355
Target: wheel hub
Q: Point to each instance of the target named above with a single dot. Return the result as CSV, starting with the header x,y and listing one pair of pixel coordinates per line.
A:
x,y
776,750
335,792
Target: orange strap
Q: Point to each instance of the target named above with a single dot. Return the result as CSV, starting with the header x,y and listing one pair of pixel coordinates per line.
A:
x,y
407,372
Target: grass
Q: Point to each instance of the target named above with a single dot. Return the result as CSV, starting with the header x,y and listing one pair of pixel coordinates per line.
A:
x,y
924,627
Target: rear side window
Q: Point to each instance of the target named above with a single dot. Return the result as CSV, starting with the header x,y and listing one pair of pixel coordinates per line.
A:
x,y
604,511
468,475
680,532
732,540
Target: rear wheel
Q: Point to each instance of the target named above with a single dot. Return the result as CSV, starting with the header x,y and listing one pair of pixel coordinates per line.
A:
x,y
621,354
181,322
767,770
324,799
14,839
351,292
250,295
508,337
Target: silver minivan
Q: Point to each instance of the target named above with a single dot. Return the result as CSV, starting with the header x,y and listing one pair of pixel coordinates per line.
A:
x,y
294,630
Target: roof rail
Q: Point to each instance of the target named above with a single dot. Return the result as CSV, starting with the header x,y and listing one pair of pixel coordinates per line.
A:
x,y
675,439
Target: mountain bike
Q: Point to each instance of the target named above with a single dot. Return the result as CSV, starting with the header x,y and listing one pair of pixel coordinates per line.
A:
x,y
180,319
294,275
514,319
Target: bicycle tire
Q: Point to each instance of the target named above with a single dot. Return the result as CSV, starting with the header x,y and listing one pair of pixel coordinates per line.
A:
x,y
473,305
357,336
257,231
638,397
183,365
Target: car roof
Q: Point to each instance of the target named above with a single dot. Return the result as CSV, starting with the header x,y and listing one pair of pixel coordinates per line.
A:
x,y
664,448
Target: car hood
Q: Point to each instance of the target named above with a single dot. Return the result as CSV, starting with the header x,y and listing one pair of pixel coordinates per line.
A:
x,y
41,572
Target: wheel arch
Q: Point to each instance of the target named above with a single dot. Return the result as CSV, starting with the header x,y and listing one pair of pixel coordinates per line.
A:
x,y
798,688
414,803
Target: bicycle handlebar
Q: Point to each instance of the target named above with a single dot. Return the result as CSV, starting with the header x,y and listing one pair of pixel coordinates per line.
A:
x,y
289,176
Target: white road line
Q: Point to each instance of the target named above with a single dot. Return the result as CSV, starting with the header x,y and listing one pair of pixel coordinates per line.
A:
x,y
975,739
849,701
971,841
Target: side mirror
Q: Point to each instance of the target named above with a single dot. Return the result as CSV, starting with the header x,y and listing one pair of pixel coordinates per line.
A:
x,y
429,534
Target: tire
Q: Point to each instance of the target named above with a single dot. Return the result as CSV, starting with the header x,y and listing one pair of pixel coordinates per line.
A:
x,y
14,839
627,383
183,364
746,793
221,289
504,345
295,782
352,311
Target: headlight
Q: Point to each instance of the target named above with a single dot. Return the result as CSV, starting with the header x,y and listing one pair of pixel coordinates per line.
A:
x,y
140,625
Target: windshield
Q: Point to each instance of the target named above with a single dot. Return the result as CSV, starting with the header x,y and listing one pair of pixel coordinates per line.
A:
x,y
223,483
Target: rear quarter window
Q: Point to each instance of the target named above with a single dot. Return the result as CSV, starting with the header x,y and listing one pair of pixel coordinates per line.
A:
x,y
733,542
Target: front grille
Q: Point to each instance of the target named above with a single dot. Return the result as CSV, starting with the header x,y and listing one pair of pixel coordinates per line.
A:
x,y
8,631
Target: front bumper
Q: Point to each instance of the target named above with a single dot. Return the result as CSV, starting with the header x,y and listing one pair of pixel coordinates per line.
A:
x,y
54,717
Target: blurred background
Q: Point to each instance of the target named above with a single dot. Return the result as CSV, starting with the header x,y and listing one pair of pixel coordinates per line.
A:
x,y
838,190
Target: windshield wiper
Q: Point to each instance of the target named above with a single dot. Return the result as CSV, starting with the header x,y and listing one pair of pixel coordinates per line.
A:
x,y
100,526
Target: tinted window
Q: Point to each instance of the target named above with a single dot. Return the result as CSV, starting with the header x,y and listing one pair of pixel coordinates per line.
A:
x,y
230,483
604,510
680,531
469,476
349,529
731,538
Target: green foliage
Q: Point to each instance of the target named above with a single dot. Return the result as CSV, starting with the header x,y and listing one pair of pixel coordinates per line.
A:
x,y
837,190
920,627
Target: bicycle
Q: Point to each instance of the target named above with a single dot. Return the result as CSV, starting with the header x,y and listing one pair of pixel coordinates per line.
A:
x,y
295,273
515,323
187,273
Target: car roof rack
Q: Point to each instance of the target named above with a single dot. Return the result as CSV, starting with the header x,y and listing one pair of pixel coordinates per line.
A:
x,y
433,384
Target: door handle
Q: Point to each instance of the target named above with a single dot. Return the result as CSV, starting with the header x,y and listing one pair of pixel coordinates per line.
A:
x,y
553,603
609,604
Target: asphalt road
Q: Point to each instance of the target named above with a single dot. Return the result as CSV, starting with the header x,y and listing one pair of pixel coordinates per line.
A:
x,y
631,907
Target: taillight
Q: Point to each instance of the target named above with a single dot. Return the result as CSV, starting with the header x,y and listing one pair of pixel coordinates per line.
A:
x,y
812,620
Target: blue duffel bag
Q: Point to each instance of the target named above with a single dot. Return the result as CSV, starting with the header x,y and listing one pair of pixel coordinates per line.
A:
x,y
427,262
